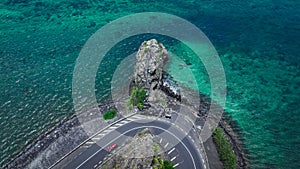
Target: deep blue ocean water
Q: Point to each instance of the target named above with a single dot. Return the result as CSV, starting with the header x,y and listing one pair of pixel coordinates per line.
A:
x,y
258,43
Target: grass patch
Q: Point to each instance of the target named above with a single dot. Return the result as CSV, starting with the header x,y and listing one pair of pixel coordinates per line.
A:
x,y
110,114
137,97
155,148
225,150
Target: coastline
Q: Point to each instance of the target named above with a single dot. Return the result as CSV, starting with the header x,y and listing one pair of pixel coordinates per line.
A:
x,y
237,144
50,141
230,130
54,142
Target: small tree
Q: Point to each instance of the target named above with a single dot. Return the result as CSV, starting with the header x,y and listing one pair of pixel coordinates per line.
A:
x,y
168,165
162,164
110,114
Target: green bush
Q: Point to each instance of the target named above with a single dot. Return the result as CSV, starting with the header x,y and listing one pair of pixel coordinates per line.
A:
x,y
159,163
110,114
155,147
168,165
225,150
137,97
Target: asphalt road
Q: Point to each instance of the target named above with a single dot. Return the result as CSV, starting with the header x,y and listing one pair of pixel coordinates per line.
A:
x,y
180,148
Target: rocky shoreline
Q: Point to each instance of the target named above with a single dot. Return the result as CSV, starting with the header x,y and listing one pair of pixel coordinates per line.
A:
x,y
55,142
237,144
70,127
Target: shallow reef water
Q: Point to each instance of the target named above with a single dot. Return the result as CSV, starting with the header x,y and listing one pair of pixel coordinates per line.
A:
x,y
257,41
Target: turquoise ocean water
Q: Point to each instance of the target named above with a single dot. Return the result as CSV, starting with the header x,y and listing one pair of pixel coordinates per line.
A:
x,y
258,43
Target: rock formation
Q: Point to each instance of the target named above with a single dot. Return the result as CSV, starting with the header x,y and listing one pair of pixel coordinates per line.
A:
x,y
151,58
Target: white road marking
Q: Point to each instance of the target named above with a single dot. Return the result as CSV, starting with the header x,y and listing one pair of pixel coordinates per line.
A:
x,y
136,117
173,158
135,129
160,140
100,162
108,130
119,124
90,142
171,150
176,165
113,127
166,145
133,118
97,138
101,134
139,116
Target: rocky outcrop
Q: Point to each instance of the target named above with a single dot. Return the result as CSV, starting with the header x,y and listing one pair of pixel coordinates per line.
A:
x,y
170,87
136,152
151,58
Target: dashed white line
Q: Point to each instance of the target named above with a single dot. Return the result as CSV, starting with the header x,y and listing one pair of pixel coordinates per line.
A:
x,y
108,130
171,150
176,165
135,129
118,124
160,140
166,145
136,117
90,142
97,138
113,127
173,158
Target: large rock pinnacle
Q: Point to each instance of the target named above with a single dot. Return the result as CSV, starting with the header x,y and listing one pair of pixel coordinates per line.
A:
x,y
151,58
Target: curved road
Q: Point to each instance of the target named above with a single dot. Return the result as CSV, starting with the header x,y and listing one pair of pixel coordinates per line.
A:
x,y
180,148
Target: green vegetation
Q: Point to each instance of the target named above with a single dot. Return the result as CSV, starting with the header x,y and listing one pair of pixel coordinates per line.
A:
x,y
225,150
162,164
110,114
141,134
163,102
137,97
140,105
146,50
168,165
155,147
